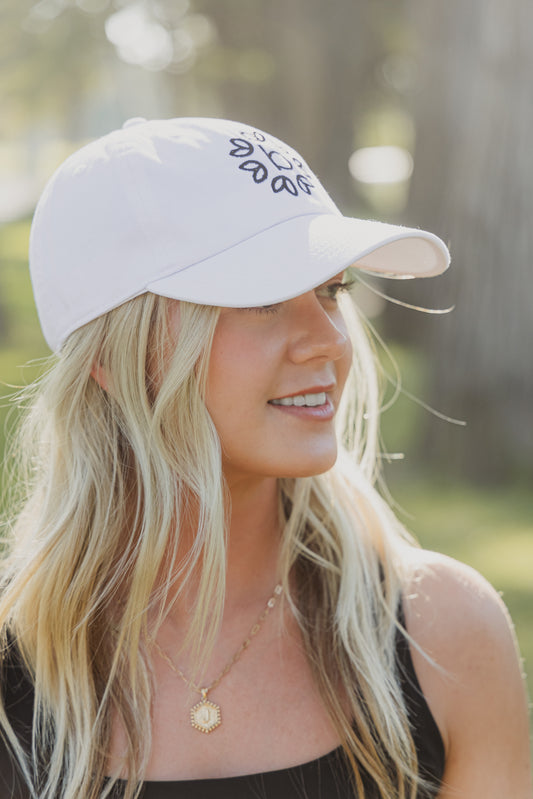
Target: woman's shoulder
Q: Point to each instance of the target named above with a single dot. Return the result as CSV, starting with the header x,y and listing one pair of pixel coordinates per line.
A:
x,y
446,602
459,626
465,655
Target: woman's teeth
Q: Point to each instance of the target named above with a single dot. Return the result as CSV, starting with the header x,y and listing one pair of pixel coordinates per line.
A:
x,y
301,400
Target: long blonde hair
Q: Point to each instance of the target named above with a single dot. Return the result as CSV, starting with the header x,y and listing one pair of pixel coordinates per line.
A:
x,y
93,550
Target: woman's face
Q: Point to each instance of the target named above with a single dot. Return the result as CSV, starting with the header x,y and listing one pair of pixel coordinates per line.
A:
x,y
275,379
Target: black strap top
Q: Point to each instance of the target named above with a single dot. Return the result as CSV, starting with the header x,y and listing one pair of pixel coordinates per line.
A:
x,y
326,777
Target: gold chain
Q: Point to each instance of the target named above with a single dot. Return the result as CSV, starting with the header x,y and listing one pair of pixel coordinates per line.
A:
x,y
245,644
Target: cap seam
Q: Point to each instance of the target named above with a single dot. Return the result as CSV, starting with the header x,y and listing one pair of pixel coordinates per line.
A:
x,y
237,244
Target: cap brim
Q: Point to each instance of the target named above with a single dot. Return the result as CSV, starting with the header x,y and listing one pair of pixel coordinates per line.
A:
x,y
299,254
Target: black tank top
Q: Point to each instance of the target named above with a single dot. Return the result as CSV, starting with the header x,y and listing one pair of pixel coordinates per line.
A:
x,y
326,777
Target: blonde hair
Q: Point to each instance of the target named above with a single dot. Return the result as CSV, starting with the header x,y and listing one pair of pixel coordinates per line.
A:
x,y
107,476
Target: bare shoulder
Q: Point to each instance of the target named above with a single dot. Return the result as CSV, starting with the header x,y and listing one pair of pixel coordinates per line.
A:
x,y
448,602
471,677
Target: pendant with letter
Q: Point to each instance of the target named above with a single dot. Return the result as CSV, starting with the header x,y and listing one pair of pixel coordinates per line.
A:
x,y
205,716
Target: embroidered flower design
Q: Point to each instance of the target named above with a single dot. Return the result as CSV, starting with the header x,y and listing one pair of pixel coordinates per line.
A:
x,y
285,171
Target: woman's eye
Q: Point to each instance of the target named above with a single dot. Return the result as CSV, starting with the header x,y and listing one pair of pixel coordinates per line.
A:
x,y
332,290
266,309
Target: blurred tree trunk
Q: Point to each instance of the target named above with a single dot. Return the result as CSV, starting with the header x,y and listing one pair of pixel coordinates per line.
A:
x,y
323,50
320,56
473,185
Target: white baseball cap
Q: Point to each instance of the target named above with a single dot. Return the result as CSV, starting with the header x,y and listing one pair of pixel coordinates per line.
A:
x,y
205,210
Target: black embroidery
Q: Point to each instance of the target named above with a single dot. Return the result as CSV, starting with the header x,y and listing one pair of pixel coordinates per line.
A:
x,y
259,172
283,183
242,148
304,183
272,158
278,159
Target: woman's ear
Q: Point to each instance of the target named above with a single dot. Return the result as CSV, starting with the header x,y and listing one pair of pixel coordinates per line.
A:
x,y
99,374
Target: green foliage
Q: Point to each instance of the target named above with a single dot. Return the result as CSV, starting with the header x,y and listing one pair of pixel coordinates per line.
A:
x,y
23,336
22,343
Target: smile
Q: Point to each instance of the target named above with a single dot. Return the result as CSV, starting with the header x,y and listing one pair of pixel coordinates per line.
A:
x,y
302,400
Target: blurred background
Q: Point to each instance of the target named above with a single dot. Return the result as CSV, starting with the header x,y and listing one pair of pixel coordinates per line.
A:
x,y
411,111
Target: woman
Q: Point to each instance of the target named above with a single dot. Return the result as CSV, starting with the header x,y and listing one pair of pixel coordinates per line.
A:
x,y
204,595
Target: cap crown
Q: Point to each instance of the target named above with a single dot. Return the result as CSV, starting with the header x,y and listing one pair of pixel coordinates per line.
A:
x,y
154,198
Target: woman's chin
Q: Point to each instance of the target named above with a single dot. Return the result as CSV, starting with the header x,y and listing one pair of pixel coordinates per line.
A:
x,y
311,467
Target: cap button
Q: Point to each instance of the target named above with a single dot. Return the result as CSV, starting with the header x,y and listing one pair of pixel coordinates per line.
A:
x,y
129,123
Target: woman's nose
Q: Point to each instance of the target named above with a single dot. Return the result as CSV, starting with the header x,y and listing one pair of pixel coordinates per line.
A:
x,y
316,333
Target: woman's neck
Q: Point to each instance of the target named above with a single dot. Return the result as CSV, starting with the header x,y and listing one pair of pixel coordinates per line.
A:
x,y
253,541
253,544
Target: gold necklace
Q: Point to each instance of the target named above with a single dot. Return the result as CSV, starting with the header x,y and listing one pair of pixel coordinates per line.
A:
x,y
206,716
